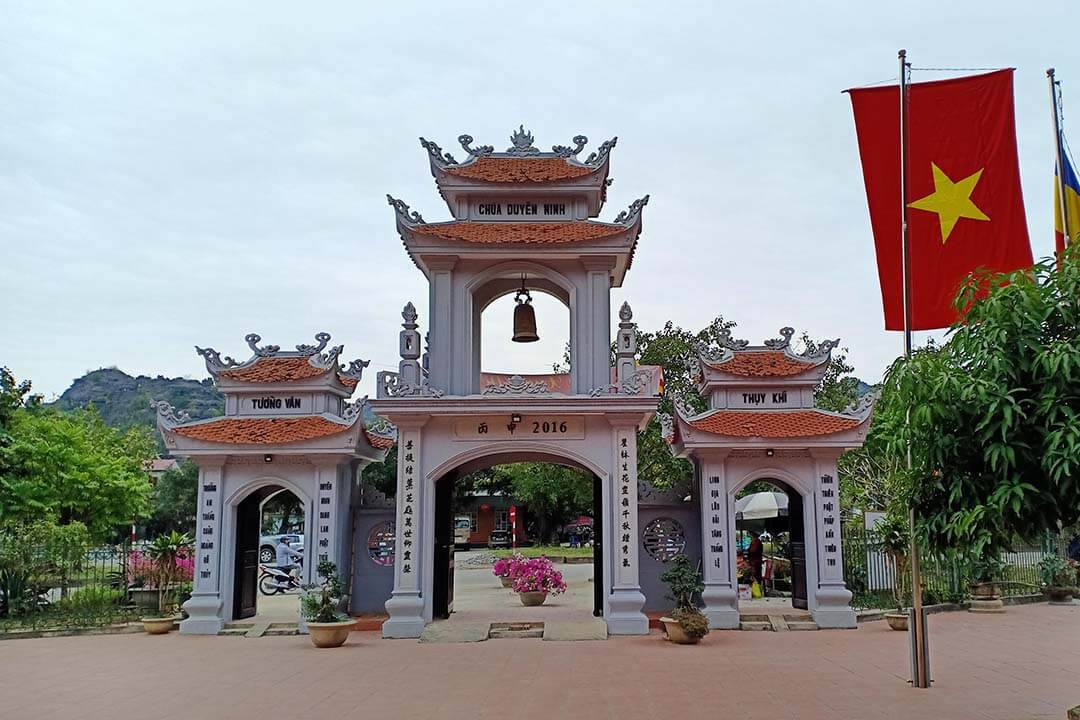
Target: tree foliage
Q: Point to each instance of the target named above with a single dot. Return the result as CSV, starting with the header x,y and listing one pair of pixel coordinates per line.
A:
x,y
70,467
995,412
174,500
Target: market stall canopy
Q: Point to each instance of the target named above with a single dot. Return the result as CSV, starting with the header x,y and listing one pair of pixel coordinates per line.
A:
x,y
758,506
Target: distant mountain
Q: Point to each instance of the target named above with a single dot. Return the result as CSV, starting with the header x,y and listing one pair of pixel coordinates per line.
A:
x,y
124,401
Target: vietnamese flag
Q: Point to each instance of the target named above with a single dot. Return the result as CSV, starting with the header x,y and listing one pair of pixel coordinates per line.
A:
x,y
965,206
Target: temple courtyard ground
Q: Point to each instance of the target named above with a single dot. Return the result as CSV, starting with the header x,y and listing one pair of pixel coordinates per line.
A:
x,y
1019,665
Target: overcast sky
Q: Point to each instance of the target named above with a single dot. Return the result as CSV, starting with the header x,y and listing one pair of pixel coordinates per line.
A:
x,y
174,174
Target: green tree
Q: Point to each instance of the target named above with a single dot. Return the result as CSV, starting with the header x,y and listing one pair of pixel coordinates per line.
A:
x,y
995,412
68,467
552,494
174,500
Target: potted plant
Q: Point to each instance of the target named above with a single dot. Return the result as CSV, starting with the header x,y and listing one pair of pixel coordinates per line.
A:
x,y
170,558
685,625
319,606
535,579
986,571
1059,577
892,533
506,568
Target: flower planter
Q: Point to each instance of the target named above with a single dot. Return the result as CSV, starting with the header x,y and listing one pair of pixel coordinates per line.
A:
x,y
897,620
675,633
157,626
986,598
1059,595
532,599
330,635
507,581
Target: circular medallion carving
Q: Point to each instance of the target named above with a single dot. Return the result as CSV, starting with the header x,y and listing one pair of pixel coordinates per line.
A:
x,y
664,539
380,543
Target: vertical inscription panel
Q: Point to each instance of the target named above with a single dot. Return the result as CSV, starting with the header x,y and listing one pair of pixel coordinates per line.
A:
x,y
208,539
408,505
625,532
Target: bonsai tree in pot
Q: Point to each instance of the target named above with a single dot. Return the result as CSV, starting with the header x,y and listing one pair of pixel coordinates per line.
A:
x,y
320,607
893,534
986,572
535,579
1059,577
685,625
170,563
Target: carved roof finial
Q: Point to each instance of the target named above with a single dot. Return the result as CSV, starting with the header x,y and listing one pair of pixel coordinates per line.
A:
x,y
822,351
306,350
565,151
437,153
408,314
402,210
625,313
631,214
597,158
478,151
522,143
783,342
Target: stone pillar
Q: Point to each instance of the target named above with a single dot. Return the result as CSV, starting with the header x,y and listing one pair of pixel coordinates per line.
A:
x,y
833,608
406,603
721,593
594,307
625,347
625,603
441,338
204,608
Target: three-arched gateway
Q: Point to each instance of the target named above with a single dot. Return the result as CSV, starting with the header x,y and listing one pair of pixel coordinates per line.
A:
x,y
520,217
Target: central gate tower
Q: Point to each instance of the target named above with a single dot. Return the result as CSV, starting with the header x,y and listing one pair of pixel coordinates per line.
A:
x,y
522,217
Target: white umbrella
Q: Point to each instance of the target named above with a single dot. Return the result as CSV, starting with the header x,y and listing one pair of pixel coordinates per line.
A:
x,y
757,506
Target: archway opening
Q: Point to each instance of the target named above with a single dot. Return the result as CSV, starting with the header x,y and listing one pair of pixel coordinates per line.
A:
x,y
270,552
771,542
499,506
499,355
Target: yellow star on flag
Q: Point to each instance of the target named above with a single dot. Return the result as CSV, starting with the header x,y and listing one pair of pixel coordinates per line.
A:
x,y
950,200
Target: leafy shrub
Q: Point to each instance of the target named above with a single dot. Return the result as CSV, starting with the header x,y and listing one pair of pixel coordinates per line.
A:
x,y
684,582
319,603
692,622
94,598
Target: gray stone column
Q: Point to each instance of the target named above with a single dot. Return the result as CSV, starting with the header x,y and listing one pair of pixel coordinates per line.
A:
x,y
721,594
625,603
204,608
406,603
833,598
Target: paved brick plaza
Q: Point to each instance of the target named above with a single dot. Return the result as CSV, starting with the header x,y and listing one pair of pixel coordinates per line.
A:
x,y
1024,664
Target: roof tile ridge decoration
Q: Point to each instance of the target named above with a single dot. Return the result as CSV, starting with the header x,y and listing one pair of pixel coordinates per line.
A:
x,y
276,430
316,356
729,348
521,146
167,415
517,385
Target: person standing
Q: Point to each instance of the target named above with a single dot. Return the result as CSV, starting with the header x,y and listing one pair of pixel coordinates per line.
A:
x,y
755,555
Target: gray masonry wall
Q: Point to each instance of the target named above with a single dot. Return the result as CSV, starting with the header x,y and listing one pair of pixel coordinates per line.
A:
x,y
687,515
371,583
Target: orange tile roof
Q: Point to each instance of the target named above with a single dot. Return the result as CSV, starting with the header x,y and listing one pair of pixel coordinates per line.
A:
x,y
773,424
261,431
274,369
762,363
519,170
350,383
511,232
379,442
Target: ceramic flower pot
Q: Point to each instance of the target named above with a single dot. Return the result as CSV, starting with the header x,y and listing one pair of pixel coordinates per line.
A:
x,y
507,581
532,599
897,620
330,635
675,633
158,625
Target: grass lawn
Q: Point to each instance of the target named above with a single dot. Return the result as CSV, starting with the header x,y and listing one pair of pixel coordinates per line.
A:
x,y
548,550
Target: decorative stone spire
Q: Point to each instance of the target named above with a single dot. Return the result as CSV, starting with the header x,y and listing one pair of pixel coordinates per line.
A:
x,y
626,346
409,347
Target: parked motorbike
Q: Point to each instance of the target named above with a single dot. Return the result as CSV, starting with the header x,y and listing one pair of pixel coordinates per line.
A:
x,y
273,580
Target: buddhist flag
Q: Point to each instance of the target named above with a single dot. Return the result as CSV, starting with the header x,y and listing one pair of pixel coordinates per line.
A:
x,y
1071,192
965,207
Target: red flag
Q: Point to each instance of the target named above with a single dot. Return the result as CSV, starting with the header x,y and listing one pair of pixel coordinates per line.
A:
x,y
965,207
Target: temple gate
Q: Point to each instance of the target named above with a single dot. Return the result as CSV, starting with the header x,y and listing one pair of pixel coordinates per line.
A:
x,y
521,222
761,424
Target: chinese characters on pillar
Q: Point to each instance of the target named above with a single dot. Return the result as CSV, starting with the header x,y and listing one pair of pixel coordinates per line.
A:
x,y
714,524
626,510
408,510
830,525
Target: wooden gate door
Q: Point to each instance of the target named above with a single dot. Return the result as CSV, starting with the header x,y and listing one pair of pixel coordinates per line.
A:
x,y
443,585
598,552
798,550
245,584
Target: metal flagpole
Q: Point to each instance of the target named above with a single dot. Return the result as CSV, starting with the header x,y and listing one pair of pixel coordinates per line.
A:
x,y
920,676
1059,155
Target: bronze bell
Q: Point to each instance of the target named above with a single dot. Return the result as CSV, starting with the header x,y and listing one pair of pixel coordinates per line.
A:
x,y
524,317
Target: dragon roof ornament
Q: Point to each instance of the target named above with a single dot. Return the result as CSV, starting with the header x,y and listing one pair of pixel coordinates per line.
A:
x,y
522,144
316,354
409,217
632,213
167,415
822,351
783,342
